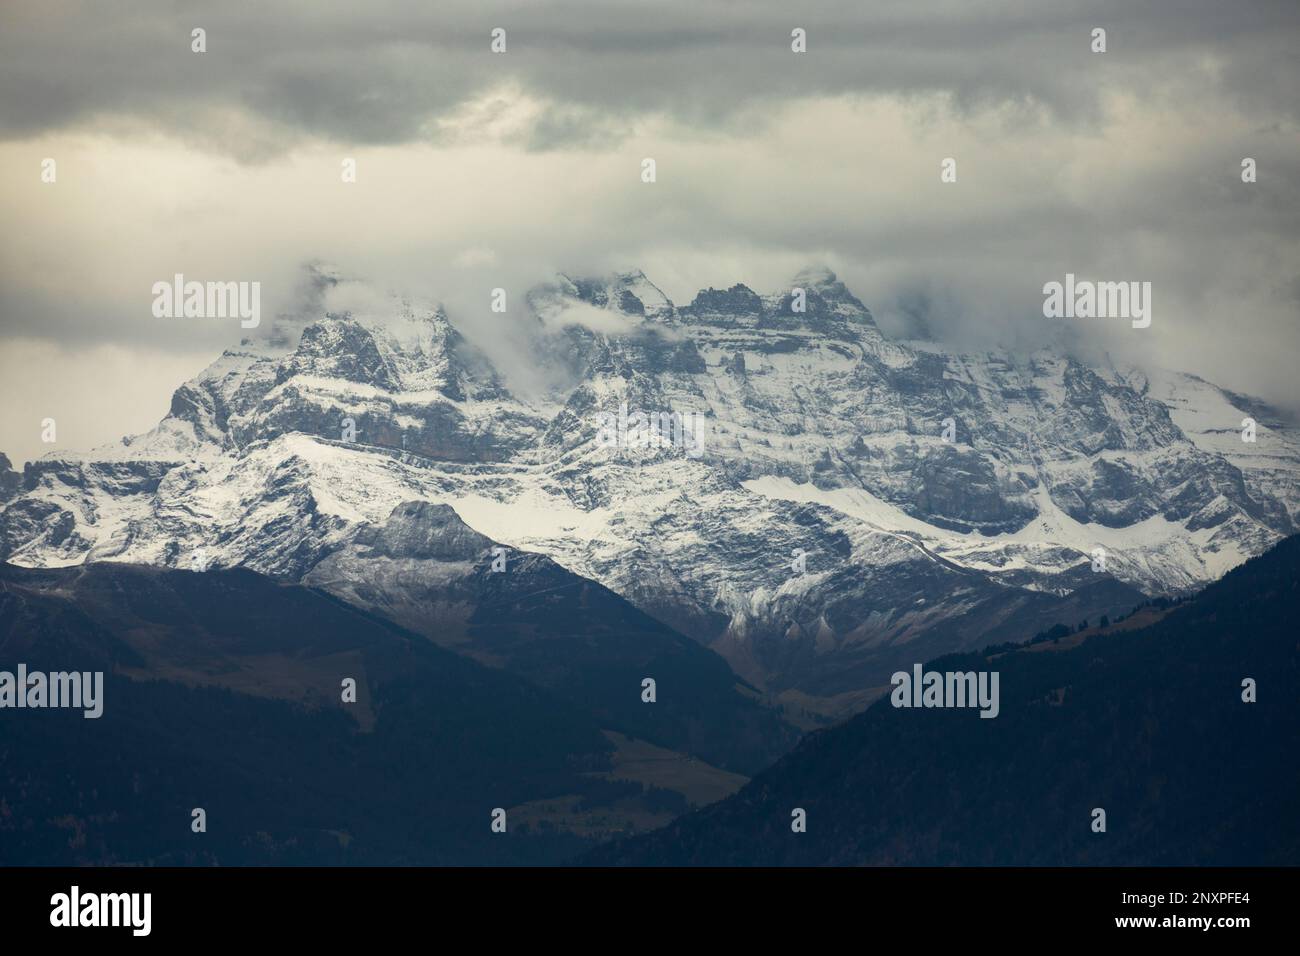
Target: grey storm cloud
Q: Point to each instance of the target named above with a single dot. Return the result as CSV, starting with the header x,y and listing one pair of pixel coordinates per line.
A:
x,y
385,72
480,170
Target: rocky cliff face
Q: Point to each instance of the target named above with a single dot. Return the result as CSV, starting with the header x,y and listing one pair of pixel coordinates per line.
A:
x,y
768,474
10,481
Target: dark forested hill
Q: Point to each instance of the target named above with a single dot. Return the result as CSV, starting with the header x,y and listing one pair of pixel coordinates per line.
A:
x,y
1148,725
223,691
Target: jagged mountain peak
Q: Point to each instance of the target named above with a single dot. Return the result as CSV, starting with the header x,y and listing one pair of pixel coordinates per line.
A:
x,y
826,297
815,276
629,293
10,480
902,472
423,529
814,299
412,350
737,301
339,347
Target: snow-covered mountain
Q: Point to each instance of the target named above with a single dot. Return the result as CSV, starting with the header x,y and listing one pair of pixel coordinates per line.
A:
x,y
841,503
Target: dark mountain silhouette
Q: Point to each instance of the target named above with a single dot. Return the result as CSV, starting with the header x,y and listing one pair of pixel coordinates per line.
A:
x,y
1148,724
223,691
429,572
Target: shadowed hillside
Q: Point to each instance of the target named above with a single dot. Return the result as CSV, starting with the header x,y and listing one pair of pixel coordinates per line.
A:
x,y
1147,724
222,691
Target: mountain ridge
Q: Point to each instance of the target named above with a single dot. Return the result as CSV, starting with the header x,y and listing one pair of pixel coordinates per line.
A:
x,y
1150,725
224,690
928,492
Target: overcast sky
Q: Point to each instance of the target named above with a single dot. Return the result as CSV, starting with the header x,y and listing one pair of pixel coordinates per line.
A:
x,y
477,170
